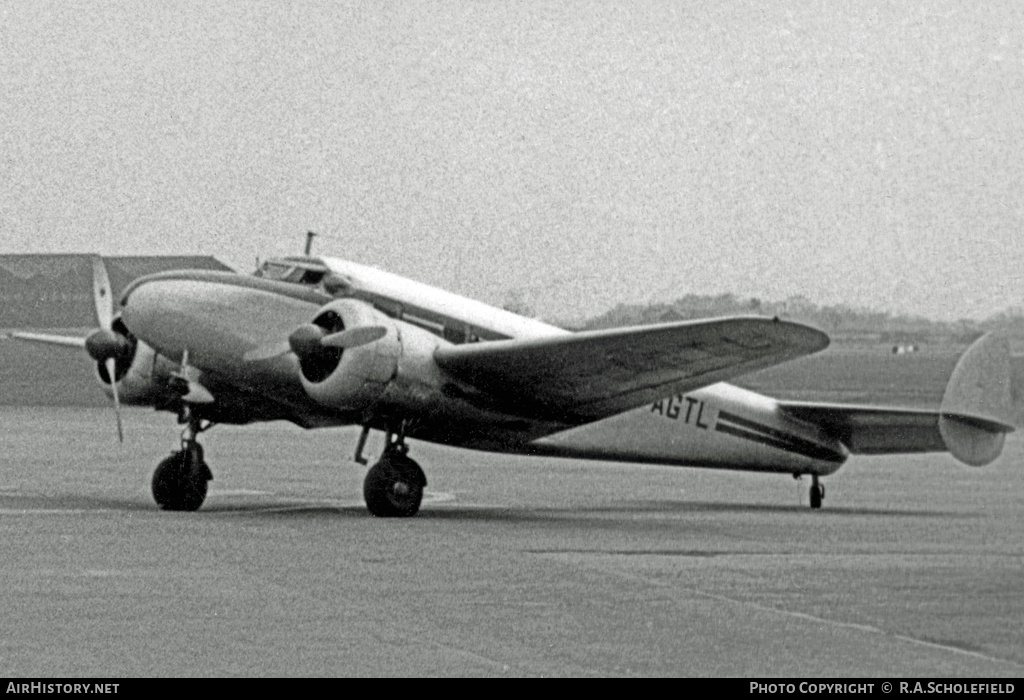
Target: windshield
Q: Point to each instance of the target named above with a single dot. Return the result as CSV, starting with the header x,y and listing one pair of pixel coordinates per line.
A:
x,y
273,271
292,271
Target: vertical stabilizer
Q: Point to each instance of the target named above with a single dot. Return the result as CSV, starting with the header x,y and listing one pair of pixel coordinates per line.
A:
x,y
978,407
1017,389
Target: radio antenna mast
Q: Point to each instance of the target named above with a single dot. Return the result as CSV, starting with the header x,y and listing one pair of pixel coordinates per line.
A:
x,y
310,235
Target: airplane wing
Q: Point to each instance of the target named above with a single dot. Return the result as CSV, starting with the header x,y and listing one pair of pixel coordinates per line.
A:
x,y
586,376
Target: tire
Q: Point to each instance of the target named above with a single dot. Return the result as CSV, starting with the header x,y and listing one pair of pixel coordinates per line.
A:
x,y
179,483
394,487
817,493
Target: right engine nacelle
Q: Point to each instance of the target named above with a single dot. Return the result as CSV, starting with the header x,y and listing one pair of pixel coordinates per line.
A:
x,y
352,378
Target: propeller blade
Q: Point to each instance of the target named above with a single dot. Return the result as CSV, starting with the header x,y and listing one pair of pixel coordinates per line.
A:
x,y
308,339
70,341
102,295
354,337
267,352
111,366
104,345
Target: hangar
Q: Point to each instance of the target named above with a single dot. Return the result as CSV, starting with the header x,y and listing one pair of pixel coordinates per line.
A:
x,y
54,293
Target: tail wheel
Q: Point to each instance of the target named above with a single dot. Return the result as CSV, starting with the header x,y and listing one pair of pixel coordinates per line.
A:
x,y
817,493
394,486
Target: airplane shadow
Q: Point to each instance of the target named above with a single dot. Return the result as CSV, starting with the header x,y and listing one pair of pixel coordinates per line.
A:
x,y
455,512
718,507
521,513
72,503
101,504
605,515
290,509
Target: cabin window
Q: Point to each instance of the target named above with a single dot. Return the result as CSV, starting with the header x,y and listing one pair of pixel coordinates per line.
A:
x,y
457,334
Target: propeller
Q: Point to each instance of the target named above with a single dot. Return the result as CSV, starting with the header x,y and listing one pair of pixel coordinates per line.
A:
x,y
310,339
105,345
354,337
111,366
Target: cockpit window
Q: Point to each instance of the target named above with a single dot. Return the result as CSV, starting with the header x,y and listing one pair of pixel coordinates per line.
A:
x,y
274,271
312,276
295,272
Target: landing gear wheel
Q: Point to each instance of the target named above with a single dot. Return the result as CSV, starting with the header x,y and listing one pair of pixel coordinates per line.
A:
x,y
817,492
394,486
179,482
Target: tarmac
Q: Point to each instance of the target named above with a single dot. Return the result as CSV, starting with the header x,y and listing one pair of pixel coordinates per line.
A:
x,y
515,566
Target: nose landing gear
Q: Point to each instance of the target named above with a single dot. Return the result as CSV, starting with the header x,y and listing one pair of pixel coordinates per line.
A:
x,y
394,486
179,482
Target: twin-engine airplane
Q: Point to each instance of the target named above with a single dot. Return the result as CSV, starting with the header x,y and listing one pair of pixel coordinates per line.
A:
x,y
325,342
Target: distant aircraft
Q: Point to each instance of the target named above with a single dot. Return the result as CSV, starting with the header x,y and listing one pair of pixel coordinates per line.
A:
x,y
326,342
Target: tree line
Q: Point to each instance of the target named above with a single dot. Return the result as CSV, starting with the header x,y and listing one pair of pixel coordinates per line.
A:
x,y
838,321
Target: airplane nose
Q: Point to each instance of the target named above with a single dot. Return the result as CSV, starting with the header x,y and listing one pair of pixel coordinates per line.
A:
x,y
165,312
216,316
141,303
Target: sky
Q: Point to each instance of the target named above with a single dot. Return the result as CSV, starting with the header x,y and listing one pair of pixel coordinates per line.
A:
x,y
571,155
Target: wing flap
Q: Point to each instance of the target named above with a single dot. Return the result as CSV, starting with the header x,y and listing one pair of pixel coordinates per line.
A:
x,y
590,375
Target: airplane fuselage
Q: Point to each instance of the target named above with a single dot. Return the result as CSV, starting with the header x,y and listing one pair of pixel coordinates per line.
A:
x,y
221,319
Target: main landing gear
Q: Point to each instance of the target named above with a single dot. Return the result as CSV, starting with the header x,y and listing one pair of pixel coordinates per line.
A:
x,y
179,482
394,486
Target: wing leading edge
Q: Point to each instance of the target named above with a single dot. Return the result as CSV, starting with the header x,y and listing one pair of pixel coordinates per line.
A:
x,y
586,376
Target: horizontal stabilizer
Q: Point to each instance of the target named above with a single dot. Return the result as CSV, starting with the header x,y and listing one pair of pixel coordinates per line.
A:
x,y
976,413
872,430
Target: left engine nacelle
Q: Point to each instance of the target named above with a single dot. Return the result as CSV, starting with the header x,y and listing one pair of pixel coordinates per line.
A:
x,y
351,378
133,372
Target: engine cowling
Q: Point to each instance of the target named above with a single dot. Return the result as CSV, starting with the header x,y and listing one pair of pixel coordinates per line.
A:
x,y
350,378
133,372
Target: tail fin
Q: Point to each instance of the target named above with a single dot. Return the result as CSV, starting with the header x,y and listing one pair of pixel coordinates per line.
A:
x,y
978,408
1017,389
